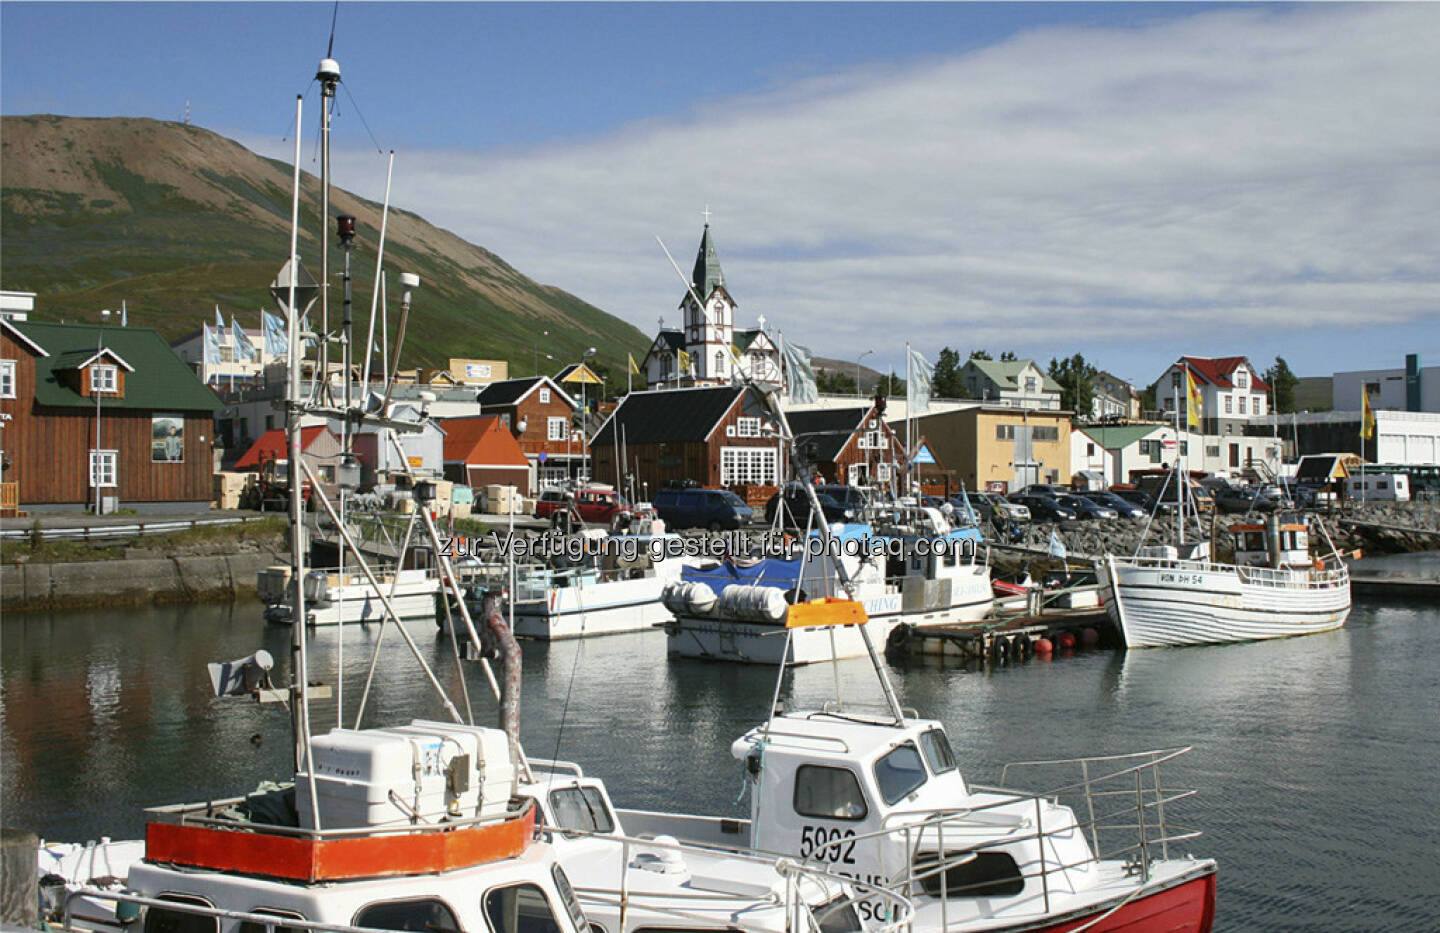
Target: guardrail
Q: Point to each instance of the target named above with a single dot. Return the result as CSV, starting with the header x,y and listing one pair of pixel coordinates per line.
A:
x,y
134,530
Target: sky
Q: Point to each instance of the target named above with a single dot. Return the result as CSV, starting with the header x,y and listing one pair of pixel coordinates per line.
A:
x,y
1131,182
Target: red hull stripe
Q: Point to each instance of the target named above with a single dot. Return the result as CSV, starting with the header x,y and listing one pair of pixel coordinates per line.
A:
x,y
1188,907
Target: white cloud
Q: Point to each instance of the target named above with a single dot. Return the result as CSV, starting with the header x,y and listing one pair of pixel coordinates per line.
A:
x,y
1207,184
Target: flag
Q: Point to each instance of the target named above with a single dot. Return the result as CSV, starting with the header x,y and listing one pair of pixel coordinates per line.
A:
x,y
1194,406
1367,416
244,349
918,390
274,328
799,376
969,511
212,347
1057,547
219,321
124,316
634,370
683,361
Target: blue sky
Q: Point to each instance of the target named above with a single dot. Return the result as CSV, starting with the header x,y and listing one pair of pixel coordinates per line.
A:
x,y
1130,181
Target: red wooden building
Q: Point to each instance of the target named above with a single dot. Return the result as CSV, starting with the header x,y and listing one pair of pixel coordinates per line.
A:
x,y
481,452
60,384
541,416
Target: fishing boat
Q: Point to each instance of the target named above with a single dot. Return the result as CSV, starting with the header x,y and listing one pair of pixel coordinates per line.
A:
x,y
1274,588
333,598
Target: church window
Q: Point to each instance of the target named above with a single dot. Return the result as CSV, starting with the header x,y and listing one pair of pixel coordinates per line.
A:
x,y
719,362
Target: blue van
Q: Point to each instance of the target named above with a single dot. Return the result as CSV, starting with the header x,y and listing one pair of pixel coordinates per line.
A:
x,y
715,509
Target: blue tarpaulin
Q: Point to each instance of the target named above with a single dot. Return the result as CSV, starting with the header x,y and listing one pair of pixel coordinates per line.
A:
x,y
771,571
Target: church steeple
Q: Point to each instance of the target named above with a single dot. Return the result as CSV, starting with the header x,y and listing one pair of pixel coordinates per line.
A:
x,y
707,276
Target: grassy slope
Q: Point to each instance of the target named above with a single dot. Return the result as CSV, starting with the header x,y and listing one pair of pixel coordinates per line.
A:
x,y
173,219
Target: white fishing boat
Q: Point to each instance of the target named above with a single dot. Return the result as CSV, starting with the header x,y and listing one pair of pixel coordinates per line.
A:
x,y
332,599
918,571
1274,588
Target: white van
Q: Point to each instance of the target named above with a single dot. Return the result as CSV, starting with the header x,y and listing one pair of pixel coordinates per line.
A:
x,y
1384,487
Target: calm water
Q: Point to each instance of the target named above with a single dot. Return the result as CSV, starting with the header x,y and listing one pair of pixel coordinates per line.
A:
x,y
1315,758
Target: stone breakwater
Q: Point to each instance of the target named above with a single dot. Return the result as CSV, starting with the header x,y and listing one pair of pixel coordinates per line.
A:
x,y
31,586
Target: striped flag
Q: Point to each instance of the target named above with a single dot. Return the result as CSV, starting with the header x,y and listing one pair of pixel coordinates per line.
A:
x,y
1367,416
1195,401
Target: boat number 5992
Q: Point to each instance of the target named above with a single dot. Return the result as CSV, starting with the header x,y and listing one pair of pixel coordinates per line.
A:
x,y
828,845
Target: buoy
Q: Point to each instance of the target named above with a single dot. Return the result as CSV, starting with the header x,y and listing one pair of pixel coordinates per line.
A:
x,y
1044,646
1089,638
1065,640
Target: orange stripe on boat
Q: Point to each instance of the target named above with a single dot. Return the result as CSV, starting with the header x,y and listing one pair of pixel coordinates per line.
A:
x,y
819,612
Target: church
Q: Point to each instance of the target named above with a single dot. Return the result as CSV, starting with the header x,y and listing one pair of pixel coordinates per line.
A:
x,y
707,348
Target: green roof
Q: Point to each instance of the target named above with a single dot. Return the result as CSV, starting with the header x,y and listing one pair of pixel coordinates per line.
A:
x,y
707,276
1116,436
1007,373
161,380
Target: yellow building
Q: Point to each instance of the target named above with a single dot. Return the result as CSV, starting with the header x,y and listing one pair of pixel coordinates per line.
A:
x,y
478,372
998,447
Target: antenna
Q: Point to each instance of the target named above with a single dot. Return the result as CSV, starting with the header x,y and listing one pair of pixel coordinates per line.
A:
x,y
187,111
334,15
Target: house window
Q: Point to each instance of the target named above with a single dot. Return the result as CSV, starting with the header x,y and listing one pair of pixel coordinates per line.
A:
x,y
1242,381
747,466
1030,385
102,468
1004,432
555,429
7,378
1089,450
1045,433
1212,450
104,378
1259,405
1242,404
747,427
882,472
1229,404
544,396
872,440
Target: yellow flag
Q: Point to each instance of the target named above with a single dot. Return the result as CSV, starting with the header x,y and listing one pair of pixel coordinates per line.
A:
x,y
1367,416
1193,409
684,361
633,368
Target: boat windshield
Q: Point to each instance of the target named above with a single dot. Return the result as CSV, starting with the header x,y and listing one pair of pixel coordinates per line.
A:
x,y
899,772
937,751
581,808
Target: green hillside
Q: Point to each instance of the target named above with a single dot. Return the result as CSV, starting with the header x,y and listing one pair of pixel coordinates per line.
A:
x,y
174,219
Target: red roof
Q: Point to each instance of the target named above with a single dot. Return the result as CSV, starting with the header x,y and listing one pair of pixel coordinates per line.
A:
x,y
272,443
481,440
1218,371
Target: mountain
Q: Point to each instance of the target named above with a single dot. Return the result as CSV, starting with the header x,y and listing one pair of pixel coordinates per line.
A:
x,y
173,218
869,378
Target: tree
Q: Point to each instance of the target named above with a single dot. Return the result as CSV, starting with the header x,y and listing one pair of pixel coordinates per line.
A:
x,y
1282,384
1008,356
831,382
980,355
1077,394
946,381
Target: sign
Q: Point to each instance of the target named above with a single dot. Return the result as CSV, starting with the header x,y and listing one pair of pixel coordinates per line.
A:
x,y
923,455
1168,443
542,456
478,371
415,461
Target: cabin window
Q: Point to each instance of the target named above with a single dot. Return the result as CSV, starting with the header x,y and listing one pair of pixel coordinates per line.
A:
x,y
567,895
899,773
249,926
937,751
581,808
986,874
828,793
520,908
544,396
165,920
7,378
422,915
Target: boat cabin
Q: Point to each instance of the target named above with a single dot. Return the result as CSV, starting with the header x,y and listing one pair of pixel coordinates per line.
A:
x,y
1275,544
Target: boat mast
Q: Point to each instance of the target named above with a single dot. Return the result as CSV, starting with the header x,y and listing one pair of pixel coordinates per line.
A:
x,y
328,75
1180,382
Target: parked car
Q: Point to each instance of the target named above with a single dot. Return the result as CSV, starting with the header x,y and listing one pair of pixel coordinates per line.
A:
x,y
1046,489
1111,501
1158,485
1044,508
1086,508
992,507
1240,499
837,503
596,505
715,509
1137,498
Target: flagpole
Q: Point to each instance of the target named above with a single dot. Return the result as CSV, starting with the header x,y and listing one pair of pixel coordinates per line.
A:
x,y
909,401
1364,426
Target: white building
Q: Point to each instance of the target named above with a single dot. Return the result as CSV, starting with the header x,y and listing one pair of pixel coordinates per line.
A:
x,y
1410,389
234,367
1401,437
1114,398
1233,395
1014,383
704,350
1115,450
16,306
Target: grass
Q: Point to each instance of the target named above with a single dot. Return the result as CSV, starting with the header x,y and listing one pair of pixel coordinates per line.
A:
x,y
209,539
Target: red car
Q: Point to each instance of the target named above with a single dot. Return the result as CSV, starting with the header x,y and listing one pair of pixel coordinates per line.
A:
x,y
595,506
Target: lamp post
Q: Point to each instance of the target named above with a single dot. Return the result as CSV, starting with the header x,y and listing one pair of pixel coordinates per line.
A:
x,y
585,417
535,353
95,469
857,370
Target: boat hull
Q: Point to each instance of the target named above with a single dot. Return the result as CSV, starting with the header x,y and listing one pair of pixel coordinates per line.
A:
x,y
598,609
1158,603
413,597
1186,907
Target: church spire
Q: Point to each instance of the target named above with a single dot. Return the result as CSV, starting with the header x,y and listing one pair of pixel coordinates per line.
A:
x,y
707,276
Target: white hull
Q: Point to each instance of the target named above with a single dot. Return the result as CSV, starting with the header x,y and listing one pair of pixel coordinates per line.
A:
x,y
413,597
593,609
723,639
1159,602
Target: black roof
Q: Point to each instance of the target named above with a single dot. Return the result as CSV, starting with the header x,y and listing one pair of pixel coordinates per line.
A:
x,y
668,415
826,430
506,392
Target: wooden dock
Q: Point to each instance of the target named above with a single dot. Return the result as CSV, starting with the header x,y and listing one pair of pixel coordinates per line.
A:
x,y
1011,637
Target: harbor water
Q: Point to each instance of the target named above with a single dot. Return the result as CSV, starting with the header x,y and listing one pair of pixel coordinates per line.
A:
x,y
1314,758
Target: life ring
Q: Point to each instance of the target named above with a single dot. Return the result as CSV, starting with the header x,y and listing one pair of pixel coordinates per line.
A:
x,y
1319,563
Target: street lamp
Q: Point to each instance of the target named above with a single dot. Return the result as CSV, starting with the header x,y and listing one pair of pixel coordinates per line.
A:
x,y
95,469
585,416
857,370
535,353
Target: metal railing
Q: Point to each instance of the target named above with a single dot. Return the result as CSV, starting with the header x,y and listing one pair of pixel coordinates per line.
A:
x,y
138,529
1295,579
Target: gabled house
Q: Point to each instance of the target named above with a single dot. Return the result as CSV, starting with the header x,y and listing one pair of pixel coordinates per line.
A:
x,y
480,451
1014,383
319,448
542,418
1232,392
64,385
423,446
1113,398
711,435
849,445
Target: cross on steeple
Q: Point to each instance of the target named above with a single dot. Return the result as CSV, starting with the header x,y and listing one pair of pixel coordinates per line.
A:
x,y
706,214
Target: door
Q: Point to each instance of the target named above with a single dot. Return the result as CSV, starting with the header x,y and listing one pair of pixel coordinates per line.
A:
x,y
1234,455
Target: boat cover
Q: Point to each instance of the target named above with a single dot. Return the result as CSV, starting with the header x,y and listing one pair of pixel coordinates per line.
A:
x,y
769,571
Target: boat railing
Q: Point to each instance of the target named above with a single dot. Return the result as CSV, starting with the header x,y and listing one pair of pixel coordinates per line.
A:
x,y
554,766
1296,578
891,910
1118,803
213,815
